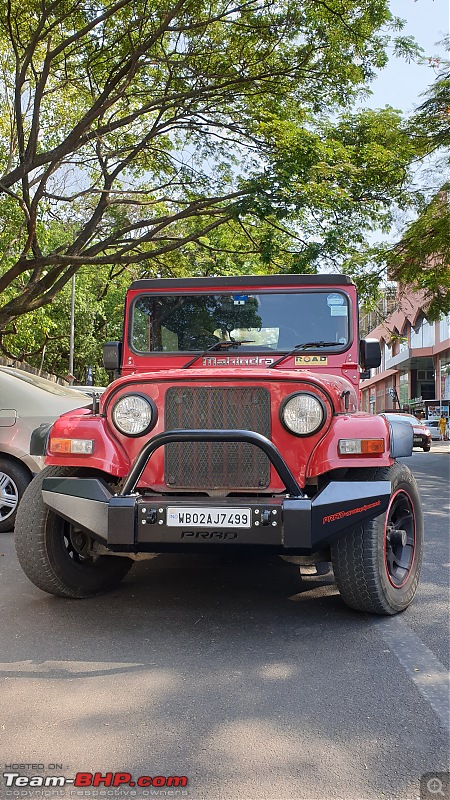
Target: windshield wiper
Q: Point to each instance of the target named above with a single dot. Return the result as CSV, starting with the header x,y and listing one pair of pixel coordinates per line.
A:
x,y
303,346
222,344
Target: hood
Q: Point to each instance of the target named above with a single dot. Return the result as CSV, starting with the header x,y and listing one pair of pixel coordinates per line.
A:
x,y
338,388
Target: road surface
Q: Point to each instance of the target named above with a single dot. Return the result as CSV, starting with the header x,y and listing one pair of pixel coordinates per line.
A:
x,y
253,684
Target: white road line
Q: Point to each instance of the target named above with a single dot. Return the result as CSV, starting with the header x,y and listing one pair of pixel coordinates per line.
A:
x,y
421,665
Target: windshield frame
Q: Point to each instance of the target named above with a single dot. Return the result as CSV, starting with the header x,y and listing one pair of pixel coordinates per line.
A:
x,y
243,349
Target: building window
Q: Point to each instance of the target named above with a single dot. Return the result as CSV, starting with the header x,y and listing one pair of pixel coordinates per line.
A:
x,y
444,328
403,343
445,377
422,335
387,355
428,331
403,388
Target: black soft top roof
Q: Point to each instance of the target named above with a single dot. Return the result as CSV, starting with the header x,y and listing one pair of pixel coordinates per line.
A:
x,y
242,280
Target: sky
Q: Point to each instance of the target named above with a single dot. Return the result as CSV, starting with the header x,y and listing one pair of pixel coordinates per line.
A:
x,y
400,84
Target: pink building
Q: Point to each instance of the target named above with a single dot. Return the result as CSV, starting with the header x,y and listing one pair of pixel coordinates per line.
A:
x,y
415,365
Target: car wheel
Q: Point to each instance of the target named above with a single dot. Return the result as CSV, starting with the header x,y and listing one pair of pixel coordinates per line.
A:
x,y
54,555
14,479
427,448
377,563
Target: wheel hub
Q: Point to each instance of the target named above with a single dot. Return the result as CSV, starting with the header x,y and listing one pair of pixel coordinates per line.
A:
x,y
9,496
396,537
400,539
77,543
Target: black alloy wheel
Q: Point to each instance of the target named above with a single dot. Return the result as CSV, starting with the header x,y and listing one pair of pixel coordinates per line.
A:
x,y
400,538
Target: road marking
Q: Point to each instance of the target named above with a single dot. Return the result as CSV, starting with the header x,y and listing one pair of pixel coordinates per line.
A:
x,y
421,665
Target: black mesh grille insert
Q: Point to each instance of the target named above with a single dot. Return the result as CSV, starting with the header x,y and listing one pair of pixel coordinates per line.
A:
x,y
216,465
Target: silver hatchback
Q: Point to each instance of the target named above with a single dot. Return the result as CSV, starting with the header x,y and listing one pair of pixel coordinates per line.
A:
x,y
26,401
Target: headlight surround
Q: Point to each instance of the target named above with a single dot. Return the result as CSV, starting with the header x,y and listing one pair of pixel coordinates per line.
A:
x,y
134,414
303,413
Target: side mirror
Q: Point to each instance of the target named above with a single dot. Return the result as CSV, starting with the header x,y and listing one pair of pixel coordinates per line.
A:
x,y
112,356
369,354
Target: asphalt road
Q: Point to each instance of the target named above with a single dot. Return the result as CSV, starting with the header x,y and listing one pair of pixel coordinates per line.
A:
x,y
254,684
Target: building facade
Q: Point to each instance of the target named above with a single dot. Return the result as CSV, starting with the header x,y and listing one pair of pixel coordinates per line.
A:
x,y
415,369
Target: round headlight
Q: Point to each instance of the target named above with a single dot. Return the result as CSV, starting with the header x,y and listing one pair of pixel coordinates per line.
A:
x,y
133,414
303,414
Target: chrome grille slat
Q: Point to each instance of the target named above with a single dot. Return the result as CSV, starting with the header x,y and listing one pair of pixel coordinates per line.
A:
x,y
213,465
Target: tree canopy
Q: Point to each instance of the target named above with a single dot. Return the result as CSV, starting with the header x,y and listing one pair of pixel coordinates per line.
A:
x,y
422,257
131,129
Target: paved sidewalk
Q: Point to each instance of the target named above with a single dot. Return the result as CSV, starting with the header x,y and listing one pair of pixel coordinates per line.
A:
x,y
441,446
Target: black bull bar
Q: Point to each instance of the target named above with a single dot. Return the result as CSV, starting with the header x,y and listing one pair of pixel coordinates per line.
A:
x,y
290,522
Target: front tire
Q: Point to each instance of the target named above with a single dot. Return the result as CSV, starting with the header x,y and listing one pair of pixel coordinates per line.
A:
x,y
377,563
50,550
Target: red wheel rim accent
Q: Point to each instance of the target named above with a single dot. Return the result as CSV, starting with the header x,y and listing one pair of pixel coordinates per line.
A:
x,y
398,557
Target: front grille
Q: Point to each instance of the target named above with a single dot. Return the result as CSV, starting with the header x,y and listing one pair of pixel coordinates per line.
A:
x,y
217,465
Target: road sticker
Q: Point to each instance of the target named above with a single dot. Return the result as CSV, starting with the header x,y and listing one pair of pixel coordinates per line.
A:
x,y
338,311
310,360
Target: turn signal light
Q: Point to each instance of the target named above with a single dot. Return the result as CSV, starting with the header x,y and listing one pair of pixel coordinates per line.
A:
x,y
360,447
79,447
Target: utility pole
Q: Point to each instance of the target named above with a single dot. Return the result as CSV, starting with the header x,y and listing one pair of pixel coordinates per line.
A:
x,y
42,359
72,332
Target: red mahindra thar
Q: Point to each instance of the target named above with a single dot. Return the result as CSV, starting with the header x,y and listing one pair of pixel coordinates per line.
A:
x,y
232,425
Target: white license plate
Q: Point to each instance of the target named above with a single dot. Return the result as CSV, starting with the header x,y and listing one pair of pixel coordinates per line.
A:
x,y
208,517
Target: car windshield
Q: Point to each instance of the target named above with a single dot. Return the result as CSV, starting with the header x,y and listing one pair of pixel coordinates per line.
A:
x,y
406,417
41,383
264,321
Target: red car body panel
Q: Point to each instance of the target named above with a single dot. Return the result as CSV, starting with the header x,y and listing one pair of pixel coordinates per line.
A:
x,y
307,457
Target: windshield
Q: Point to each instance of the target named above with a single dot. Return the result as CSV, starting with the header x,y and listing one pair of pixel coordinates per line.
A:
x,y
277,322
406,417
41,383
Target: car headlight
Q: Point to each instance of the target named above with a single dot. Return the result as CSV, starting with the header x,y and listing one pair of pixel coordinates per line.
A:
x,y
303,414
134,414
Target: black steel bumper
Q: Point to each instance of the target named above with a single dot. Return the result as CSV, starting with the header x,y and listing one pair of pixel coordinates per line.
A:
x,y
288,523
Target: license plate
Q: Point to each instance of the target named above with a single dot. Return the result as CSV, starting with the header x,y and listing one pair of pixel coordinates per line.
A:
x,y
208,517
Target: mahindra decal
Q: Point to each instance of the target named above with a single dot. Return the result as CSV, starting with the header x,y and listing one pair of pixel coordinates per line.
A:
x,y
237,361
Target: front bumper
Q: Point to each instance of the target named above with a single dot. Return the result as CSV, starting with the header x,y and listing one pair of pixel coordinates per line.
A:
x,y
289,523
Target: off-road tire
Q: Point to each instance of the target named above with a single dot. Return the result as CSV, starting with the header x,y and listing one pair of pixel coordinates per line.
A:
x,y
19,478
365,579
42,548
